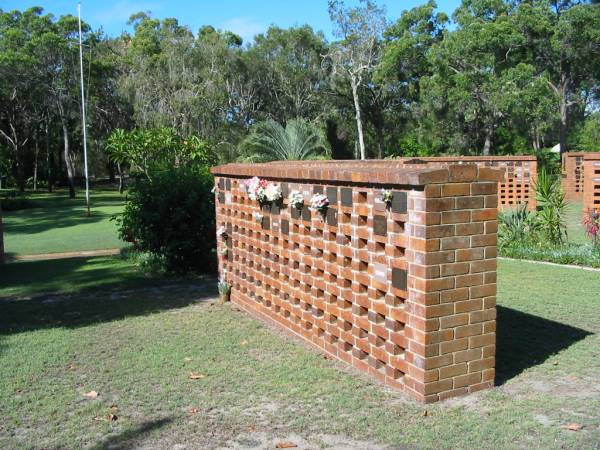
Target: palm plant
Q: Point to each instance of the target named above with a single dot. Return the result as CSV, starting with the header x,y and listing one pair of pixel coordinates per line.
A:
x,y
270,141
551,205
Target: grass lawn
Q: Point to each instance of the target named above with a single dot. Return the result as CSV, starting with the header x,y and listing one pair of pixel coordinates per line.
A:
x,y
60,224
137,344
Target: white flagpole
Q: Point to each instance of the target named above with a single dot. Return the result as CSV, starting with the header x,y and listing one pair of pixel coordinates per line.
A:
x,y
85,161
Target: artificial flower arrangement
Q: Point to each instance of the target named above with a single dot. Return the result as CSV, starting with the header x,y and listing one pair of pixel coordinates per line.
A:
x,y
296,199
319,202
262,191
222,232
386,197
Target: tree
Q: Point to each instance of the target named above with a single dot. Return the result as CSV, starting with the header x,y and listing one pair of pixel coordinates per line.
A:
x,y
290,72
357,53
269,141
564,37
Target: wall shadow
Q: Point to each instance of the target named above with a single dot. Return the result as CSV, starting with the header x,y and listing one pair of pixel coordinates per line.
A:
x,y
105,294
127,439
525,340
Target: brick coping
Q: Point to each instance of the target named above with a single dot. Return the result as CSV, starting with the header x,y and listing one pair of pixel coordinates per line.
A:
x,y
409,159
365,172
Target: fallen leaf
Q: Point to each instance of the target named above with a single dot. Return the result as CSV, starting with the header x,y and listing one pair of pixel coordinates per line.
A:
x,y
194,411
91,394
244,342
286,445
425,413
196,376
555,363
187,359
113,408
100,419
112,417
72,367
573,426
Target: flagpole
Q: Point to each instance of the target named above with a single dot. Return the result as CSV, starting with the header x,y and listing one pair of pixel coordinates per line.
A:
x,y
85,160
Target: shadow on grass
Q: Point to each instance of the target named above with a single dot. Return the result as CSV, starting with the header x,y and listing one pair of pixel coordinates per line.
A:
x,y
127,439
94,293
33,221
525,340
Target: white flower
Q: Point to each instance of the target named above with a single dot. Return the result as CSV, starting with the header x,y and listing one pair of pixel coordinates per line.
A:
x,y
319,202
258,216
272,192
256,189
296,199
214,189
222,232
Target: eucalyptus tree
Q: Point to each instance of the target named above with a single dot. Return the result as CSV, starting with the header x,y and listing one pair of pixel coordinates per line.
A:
x,y
564,38
356,54
290,72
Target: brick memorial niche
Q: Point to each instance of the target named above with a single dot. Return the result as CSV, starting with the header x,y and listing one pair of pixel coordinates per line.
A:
x,y
573,175
400,284
591,189
514,188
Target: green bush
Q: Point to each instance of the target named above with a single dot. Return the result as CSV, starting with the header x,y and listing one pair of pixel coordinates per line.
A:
x,y
580,255
171,217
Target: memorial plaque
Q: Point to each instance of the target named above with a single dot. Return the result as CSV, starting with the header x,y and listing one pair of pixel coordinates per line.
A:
x,y
399,279
399,202
285,226
332,195
380,225
331,217
346,196
306,213
265,223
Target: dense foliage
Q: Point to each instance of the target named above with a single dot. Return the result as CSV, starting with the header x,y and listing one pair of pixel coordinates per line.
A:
x,y
171,217
498,76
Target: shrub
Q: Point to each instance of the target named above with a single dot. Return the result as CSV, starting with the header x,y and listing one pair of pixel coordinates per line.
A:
x,y
517,227
171,217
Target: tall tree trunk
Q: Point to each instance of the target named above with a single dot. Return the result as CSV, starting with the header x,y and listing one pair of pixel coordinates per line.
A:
x,y
20,167
563,130
359,125
121,187
35,161
49,160
380,141
68,161
487,146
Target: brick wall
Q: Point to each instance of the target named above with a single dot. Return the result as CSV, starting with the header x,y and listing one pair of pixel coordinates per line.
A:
x,y
404,291
572,175
591,170
514,188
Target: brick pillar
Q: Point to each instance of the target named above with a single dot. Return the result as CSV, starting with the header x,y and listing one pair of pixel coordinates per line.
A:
x,y
591,194
452,285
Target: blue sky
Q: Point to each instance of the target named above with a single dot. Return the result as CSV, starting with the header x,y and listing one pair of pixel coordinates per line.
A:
x,y
244,17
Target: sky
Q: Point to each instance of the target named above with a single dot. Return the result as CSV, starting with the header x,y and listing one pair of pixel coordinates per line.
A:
x,y
244,17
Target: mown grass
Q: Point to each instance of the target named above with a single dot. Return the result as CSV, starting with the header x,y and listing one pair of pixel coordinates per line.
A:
x,y
60,224
136,347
